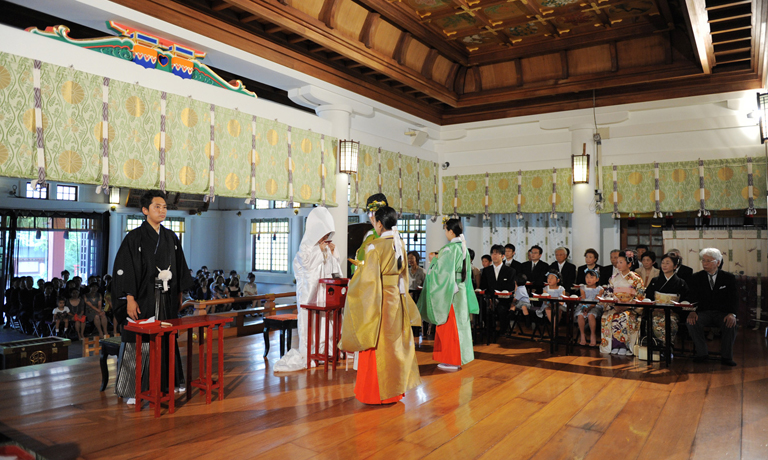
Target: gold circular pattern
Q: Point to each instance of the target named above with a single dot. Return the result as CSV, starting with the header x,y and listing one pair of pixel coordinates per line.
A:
x,y
29,120
409,168
232,181
635,178
187,175
409,203
522,202
306,145
305,192
557,199
503,184
5,77
537,182
4,154
271,187
290,165
471,186
233,128
135,106
272,137
367,159
97,132
619,197
333,196
322,170
257,159
661,196
133,169
390,164
697,195
216,151
427,171
678,175
189,117
168,142
744,191
70,161
725,173
72,92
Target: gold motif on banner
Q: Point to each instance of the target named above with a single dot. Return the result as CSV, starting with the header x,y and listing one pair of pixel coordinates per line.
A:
x,y
390,164
661,196
409,168
367,159
29,120
678,175
216,151
232,181
306,192
333,196
537,182
186,175
135,106
290,165
72,92
70,161
233,128
4,154
97,132
5,77
271,187
306,146
409,203
189,117
133,169
471,186
272,137
257,159
635,178
503,184
557,198
725,173
697,194
744,191
322,171
168,142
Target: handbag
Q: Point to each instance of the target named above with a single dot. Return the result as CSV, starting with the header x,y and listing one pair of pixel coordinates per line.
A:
x,y
641,349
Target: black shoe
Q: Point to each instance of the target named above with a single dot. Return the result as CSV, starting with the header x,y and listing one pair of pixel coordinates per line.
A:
x,y
701,359
728,362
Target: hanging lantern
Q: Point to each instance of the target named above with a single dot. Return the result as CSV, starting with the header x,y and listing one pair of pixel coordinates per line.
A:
x,y
580,165
348,151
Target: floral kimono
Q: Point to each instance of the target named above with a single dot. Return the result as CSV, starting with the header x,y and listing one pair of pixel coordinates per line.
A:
x,y
621,329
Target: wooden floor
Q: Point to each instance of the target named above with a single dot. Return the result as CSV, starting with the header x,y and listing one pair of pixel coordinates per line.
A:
x,y
515,401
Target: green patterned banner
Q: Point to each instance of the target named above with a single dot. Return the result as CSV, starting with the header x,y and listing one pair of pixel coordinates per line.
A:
x,y
396,171
725,186
502,192
72,129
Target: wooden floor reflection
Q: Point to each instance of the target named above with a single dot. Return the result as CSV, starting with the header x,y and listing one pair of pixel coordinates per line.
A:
x,y
515,401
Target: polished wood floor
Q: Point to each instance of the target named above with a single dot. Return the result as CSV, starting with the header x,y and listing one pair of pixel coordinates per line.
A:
x,y
515,401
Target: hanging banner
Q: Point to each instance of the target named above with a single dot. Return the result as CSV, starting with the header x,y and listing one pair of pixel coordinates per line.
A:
x,y
657,210
702,192
519,213
104,138
322,170
554,194
163,99
290,170
615,214
40,181
211,159
486,214
751,211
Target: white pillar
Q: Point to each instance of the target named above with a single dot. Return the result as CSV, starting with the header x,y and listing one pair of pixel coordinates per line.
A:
x,y
340,118
586,222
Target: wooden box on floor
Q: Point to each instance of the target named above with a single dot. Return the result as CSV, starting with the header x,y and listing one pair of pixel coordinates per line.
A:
x,y
27,352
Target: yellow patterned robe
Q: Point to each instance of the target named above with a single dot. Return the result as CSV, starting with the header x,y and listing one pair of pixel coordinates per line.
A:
x,y
378,316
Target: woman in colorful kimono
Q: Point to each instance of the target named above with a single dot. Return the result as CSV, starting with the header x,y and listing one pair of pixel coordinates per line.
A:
x,y
665,289
621,325
448,299
378,317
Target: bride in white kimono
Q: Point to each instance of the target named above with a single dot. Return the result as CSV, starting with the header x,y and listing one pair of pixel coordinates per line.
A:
x,y
316,258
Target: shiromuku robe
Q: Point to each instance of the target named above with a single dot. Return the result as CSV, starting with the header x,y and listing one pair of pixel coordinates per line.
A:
x,y
309,266
378,317
444,290
142,255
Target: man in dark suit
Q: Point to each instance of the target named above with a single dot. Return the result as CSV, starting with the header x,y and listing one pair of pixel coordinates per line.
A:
x,y
715,292
498,277
566,269
536,269
509,258
44,303
683,272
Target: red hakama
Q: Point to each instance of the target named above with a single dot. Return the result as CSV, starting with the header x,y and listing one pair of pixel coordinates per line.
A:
x,y
447,348
367,384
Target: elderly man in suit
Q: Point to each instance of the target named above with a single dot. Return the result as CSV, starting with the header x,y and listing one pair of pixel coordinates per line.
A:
x,y
566,269
715,292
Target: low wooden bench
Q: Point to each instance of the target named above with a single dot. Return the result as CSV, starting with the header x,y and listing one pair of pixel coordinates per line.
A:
x,y
240,328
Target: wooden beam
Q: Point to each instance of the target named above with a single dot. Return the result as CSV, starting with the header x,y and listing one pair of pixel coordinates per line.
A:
x,y
518,72
668,55
460,80
368,31
327,12
273,29
663,7
220,6
700,33
250,18
296,39
429,62
478,80
564,64
614,57
401,48
454,70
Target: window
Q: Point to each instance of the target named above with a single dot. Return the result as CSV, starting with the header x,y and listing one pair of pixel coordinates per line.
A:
x,y
41,193
262,204
270,245
174,224
66,192
353,219
284,204
414,233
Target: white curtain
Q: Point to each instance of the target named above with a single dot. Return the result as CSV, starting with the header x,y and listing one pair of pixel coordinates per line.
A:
x,y
532,229
744,251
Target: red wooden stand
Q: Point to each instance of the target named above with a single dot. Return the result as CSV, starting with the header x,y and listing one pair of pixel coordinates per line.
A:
x,y
335,297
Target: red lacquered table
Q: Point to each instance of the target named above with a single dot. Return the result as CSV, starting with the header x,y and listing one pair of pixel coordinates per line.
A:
x,y
206,325
335,294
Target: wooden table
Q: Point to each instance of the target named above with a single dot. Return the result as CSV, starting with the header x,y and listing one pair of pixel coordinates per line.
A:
x,y
206,325
314,311
570,303
648,318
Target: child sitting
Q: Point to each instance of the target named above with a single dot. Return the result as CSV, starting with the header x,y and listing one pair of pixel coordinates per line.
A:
x,y
521,295
555,291
589,313
61,313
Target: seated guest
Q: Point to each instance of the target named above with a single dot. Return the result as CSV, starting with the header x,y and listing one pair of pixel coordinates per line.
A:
x,y
475,270
522,300
485,260
535,269
609,271
566,269
77,310
715,292
498,277
26,302
11,305
94,309
509,258
620,326
203,291
61,313
684,272
588,314
44,303
590,257
416,274
556,291
219,289
250,289
665,289
234,287
647,271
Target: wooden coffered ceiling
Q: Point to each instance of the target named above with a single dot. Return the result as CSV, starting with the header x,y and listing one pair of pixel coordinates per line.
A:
x,y
453,61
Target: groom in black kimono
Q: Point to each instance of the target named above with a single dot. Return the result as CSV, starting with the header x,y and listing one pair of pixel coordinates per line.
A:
x,y
139,292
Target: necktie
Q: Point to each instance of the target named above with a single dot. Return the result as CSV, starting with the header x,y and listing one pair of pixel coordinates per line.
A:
x,y
711,281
